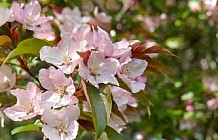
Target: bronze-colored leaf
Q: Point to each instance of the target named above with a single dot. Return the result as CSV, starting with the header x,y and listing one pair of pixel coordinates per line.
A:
x,y
157,66
85,56
147,47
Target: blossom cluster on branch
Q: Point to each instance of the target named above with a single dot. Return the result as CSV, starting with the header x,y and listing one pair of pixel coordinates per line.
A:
x,y
89,78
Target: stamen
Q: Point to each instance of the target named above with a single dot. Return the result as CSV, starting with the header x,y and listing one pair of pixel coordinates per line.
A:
x,y
67,60
95,71
62,128
60,90
27,107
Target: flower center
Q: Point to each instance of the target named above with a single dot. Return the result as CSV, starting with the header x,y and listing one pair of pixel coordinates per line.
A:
x,y
60,90
62,128
30,20
27,107
126,71
67,60
95,71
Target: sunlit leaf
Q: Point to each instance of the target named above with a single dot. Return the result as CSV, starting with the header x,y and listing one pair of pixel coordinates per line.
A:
x,y
29,46
30,127
107,101
5,41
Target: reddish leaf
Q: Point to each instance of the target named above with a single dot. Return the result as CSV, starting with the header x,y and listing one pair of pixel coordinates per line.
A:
x,y
85,56
94,22
142,48
152,64
15,33
57,9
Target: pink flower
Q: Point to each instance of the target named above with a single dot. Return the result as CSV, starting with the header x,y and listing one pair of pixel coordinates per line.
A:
x,y
68,15
60,88
120,49
62,124
102,17
69,20
122,98
30,15
102,42
45,32
212,104
4,16
99,69
116,123
84,36
130,70
64,56
7,78
97,40
210,83
27,105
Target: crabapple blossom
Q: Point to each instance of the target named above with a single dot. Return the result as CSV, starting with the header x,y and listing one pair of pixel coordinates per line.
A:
x,y
97,40
102,42
116,123
130,70
60,89
74,16
84,35
27,105
7,78
61,124
120,49
69,20
102,17
212,104
99,69
30,15
122,98
4,16
44,32
64,56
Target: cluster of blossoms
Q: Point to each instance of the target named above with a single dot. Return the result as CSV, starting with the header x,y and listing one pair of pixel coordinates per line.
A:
x,y
83,50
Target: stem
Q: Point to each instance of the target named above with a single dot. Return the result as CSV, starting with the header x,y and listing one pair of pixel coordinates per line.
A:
x,y
24,66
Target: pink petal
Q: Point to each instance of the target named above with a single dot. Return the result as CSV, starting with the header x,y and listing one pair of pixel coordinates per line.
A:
x,y
44,79
50,132
51,55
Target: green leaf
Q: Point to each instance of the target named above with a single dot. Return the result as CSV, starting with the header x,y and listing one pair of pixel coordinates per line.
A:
x,y
5,4
99,113
143,98
30,127
107,101
28,46
113,134
123,85
116,111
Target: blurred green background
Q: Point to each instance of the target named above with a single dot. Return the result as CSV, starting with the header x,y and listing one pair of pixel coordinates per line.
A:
x,y
185,104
